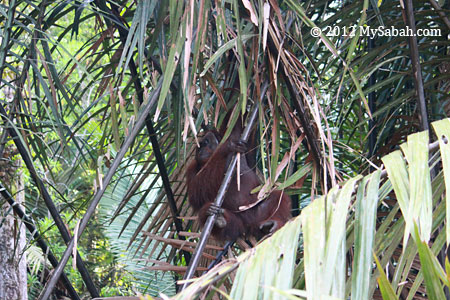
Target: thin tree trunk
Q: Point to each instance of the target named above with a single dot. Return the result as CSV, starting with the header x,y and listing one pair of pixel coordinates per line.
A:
x,y
13,267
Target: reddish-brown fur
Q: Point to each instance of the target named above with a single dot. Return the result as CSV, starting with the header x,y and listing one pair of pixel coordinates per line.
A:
x,y
204,177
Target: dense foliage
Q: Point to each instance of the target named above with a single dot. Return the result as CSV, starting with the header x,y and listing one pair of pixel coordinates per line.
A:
x,y
76,76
